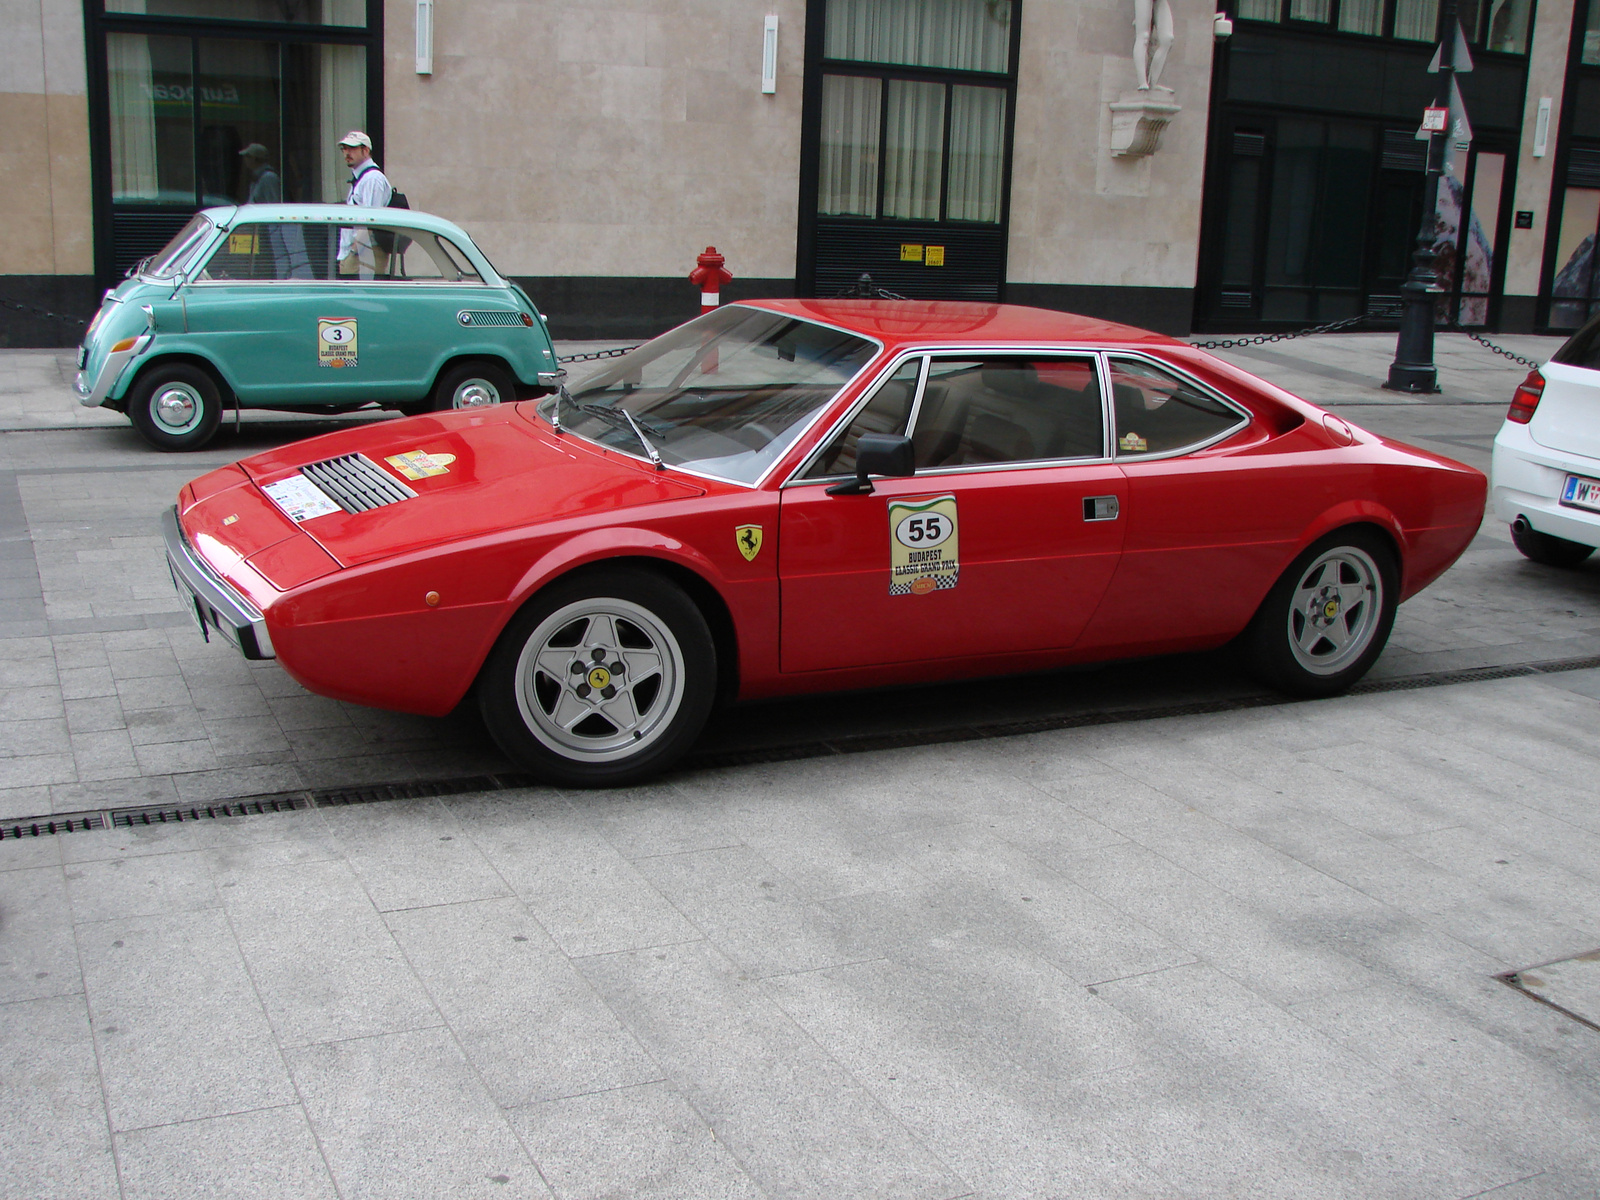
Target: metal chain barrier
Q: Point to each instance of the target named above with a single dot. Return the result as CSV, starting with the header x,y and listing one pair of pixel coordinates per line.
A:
x,y
570,358
34,310
1501,350
1332,327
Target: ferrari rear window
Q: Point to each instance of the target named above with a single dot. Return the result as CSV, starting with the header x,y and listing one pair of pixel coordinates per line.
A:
x,y
724,395
1159,413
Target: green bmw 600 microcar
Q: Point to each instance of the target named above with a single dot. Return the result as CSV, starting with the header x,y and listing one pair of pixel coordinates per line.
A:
x,y
319,307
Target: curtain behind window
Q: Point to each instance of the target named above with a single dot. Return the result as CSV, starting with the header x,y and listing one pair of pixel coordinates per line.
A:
x,y
133,120
344,107
977,147
913,150
1361,16
963,35
1416,20
847,184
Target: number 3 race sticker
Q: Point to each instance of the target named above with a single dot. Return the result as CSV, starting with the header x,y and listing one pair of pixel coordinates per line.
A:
x,y
336,341
924,547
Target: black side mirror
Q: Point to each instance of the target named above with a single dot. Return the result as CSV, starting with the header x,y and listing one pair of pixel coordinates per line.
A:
x,y
885,454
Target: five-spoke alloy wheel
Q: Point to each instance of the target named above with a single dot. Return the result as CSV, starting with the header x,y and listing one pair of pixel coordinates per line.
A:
x,y
1328,617
176,407
603,679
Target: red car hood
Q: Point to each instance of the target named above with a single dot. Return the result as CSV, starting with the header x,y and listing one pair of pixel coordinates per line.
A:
x,y
474,473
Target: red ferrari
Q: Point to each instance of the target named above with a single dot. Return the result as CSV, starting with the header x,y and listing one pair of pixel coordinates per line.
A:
x,y
803,495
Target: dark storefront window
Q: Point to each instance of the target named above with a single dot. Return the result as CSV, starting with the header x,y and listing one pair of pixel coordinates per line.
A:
x,y
909,108
189,85
1315,184
1498,25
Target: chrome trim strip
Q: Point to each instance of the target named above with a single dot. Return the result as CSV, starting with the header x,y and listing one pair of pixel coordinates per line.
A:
x,y
1245,415
929,354
110,372
798,474
213,602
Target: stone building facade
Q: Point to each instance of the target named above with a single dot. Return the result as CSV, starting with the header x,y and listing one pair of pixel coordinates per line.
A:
x,y
986,149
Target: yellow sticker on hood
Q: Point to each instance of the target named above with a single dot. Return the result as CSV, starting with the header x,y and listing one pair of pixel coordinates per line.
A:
x,y
419,464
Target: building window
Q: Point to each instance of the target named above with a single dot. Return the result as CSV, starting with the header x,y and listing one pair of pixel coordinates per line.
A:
x,y
912,110
209,102
1500,25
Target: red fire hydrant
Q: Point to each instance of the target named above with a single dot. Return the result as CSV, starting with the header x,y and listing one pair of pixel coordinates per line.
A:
x,y
709,276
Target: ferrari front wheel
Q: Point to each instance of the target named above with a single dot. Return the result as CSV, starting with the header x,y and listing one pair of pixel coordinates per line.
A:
x,y
1328,617
602,680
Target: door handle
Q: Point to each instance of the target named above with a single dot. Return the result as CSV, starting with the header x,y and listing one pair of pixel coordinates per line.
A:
x,y
1100,508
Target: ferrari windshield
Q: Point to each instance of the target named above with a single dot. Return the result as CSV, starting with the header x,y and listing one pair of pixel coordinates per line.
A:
x,y
724,395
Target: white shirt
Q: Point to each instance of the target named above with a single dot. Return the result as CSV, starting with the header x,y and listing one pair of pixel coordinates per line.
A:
x,y
369,188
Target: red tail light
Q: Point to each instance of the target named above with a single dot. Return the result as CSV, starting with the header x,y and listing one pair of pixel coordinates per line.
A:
x,y
1526,398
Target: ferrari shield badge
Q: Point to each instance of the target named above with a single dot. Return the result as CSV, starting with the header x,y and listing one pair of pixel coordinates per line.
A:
x,y
748,539
924,545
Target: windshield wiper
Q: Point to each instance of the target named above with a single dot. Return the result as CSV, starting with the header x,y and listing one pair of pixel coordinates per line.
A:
x,y
655,455
621,418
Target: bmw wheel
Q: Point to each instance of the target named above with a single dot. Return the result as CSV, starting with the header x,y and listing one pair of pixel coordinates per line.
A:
x,y
603,679
1328,617
473,385
176,407
1547,549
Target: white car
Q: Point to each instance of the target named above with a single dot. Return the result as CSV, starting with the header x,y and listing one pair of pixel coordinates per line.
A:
x,y
1545,476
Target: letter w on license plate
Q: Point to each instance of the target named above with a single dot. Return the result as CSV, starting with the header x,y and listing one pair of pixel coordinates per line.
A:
x,y
1581,493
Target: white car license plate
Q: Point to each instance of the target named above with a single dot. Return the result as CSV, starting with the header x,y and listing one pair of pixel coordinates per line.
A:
x,y
1581,493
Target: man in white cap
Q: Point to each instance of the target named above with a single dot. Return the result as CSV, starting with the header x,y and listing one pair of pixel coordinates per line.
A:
x,y
369,188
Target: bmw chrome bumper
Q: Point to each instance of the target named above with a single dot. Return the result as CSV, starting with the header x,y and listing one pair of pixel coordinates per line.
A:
x,y
94,395
212,602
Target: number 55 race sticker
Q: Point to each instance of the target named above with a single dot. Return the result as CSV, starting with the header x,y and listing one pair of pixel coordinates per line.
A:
x,y
336,341
924,546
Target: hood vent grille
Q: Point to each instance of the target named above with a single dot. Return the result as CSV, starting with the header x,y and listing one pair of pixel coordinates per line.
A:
x,y
355,483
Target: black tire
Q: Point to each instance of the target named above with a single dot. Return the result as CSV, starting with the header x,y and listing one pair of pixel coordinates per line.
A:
x,y
473,385
176,406
1328,617
1546,548
568,647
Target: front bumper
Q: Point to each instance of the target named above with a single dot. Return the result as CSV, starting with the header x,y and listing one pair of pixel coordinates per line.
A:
x,y
94,395
212,602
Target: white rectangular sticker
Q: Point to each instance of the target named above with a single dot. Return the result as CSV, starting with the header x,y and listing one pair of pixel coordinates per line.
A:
x,y
336,342
300,499
924,545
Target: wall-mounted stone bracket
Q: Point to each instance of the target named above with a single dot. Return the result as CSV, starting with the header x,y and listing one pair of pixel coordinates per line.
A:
x,y
1138,120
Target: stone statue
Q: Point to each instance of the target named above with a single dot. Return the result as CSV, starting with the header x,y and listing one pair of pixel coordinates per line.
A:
x,y
1151,17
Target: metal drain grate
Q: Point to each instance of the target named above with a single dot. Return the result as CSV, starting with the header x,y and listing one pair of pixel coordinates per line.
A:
x,y
45,826
254,806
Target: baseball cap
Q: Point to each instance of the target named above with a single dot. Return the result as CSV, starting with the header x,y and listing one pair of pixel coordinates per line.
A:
x,y
355,138
254,150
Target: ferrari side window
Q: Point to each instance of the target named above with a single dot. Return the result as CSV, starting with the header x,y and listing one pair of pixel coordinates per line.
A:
x,y
1009,408
886,412
1158,413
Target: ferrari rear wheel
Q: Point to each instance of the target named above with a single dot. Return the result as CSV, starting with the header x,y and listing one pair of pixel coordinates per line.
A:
x,y
1545,548
1328,617
601,680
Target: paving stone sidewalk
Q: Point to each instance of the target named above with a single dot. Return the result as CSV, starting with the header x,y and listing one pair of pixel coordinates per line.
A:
x,y
1249,955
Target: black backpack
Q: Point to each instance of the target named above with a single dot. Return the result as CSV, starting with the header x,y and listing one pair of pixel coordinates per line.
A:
x,y
386,239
